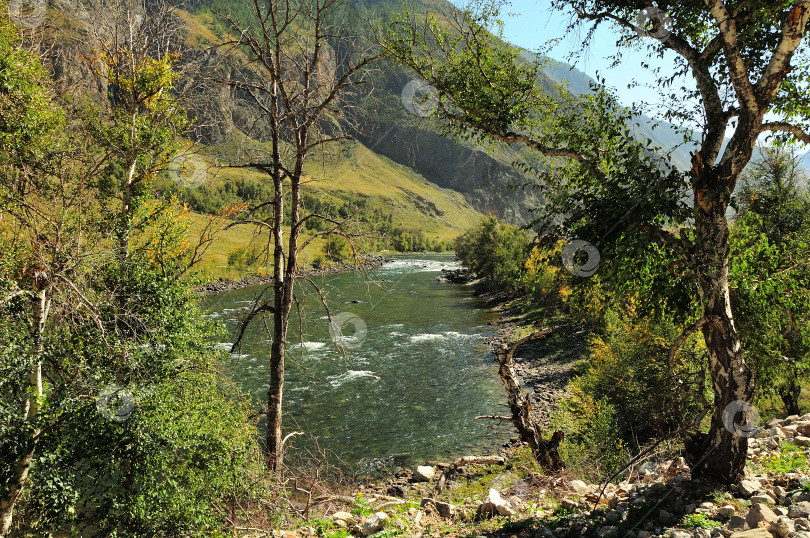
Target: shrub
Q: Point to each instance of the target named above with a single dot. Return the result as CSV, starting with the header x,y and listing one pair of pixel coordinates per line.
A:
x,y
496,252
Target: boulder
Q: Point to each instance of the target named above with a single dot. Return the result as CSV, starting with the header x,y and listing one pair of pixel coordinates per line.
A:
x,y
749,487
762,498
798,510
760,516
679,533
444,509
753,533
424,473
374,523
782,527
606,532
579,487
343,516
726,511
494,503
737,523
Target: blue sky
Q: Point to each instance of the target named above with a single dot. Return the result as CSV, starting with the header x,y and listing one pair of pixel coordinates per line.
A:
x,y
532,23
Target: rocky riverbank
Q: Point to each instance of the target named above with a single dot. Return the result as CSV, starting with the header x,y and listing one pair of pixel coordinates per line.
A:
x,y
500,496
367,263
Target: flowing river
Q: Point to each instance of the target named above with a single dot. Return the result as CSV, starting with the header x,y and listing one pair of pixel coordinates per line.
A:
x,y
411,374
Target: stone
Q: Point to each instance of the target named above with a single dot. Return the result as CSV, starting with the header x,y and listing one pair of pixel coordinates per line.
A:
x,y
790,420
749,487
424,473
343,516
780,492
606,532
700,532
494,503
798,510
374,523
613,502
664,517
780,511
446,510
762,498
804,428
753,533
726,510
679,533
737,523
782,527
760,515
579,487
801,440
708,505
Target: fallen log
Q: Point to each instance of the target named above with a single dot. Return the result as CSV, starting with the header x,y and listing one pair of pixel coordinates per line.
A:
x,y
545,451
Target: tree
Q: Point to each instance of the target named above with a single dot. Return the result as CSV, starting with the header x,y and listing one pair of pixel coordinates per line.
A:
x,y
612,188
302,77
769,273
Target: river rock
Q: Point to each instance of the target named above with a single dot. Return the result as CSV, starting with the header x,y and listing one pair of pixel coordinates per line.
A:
x,y
374,523
424,473
798,510
782,527
737,523
343,516
749,487
760,515
753,533
726,511
579,487
494,503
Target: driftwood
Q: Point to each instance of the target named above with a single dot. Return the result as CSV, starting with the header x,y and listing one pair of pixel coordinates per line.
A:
x,y
531,433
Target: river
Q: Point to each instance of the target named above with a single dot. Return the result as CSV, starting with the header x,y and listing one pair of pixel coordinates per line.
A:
x,y
411,373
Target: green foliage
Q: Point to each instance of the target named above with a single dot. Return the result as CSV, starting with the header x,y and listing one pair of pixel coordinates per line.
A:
x,y
244,257
496,252
789,459
702,521
770,277
361,507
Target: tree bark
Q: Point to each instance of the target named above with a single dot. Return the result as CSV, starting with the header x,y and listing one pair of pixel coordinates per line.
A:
x,y
790,396
544,451
30,408
720,455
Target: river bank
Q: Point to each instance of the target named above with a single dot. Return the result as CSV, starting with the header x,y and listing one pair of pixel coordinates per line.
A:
x,y
367,263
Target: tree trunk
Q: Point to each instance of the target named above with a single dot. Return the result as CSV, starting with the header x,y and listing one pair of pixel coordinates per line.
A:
x,y
790,396
30,408
278,348
720,455
545,451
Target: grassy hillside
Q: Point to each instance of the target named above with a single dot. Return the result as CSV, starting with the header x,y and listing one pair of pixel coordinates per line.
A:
x,y
396,207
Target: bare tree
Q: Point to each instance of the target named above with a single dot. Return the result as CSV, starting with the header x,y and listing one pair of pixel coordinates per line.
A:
x,y
302,76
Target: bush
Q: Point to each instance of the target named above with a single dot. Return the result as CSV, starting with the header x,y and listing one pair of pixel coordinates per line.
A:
x,y
496,252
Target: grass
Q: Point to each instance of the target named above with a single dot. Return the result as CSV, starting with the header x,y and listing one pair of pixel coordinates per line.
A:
x,y
413,203
694,521
789,459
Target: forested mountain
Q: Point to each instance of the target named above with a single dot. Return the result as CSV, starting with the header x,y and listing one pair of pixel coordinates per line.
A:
x,y
484,176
